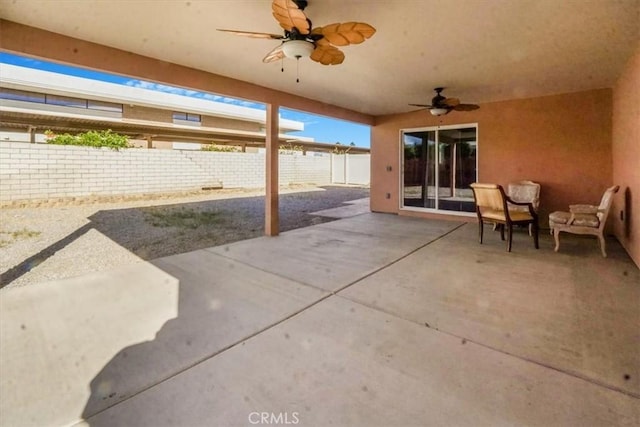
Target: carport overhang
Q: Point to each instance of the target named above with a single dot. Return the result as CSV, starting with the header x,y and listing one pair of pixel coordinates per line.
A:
x,y
38,43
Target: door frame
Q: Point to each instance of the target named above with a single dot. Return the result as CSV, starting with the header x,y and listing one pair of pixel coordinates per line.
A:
x,y
436,128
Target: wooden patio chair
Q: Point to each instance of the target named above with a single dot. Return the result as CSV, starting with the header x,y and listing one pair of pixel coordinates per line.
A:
x,y
583,219
524,191
493,205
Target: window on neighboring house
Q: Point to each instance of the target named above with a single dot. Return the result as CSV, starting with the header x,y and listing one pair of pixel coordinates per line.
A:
x,y
104,106
189,117
22,95
66,101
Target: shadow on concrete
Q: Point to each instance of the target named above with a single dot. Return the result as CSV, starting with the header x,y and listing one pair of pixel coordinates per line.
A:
x,y
187,227
221,303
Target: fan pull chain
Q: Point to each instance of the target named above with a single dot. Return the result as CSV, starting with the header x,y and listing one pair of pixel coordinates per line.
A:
x,y
282,64
298,69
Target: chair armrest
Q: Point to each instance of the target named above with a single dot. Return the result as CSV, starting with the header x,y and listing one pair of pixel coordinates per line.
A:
x,y
532,211
513,202
584,209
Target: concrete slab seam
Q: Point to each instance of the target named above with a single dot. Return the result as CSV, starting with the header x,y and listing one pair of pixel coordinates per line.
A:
x,y
211,356
395,261
526,359
266,328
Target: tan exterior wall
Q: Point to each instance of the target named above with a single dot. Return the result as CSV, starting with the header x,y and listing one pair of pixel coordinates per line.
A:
x,y
145,113
563,142
166,116
221,122
626,157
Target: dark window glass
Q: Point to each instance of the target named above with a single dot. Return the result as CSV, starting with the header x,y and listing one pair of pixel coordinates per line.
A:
x,y
187,117
21,95
66,101
104,106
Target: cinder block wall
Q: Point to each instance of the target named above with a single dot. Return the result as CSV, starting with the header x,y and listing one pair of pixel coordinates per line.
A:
x,y
41,171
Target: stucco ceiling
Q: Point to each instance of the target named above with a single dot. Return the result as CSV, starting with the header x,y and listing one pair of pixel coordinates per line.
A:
x,y
482,51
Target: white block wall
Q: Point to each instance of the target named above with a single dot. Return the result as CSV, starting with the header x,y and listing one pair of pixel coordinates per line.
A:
x,y
351,169
41,171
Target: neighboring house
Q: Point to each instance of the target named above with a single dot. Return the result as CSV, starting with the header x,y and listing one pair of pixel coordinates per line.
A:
x,y
33,101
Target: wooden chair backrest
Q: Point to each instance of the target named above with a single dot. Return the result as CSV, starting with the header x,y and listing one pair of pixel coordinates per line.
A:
x,y
489,196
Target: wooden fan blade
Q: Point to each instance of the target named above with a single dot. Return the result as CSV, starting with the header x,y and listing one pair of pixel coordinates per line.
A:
x,y
319,40
466,107
289,16
421,105
327,55
254,35
451,102
347,33
275,55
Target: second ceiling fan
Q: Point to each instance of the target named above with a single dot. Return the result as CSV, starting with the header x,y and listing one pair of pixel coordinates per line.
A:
x,y
300,39
441,105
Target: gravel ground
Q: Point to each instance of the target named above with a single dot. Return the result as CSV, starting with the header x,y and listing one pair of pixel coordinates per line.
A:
x,y
47,243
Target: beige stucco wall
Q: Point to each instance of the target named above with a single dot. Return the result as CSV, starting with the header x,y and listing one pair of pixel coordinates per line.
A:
x,y
138,112
626,156
562,141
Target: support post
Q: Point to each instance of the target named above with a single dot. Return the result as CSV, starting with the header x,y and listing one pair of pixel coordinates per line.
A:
x,y
271,217
32,134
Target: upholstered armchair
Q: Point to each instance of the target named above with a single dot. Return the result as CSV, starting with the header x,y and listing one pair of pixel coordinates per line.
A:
x,y
524,191
493,205
583,219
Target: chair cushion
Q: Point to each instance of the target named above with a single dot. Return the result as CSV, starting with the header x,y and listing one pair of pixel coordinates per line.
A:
x,y
499,215
518,208
520,216
580,220
493,214
583,209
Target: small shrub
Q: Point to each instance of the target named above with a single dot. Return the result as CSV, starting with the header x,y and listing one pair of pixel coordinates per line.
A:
x,y
16,235
103,138
220,148
290,148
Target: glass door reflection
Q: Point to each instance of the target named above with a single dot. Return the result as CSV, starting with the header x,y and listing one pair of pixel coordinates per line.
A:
x,y
438,167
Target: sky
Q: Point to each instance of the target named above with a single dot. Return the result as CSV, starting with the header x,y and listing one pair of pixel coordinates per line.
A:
x,y
320,128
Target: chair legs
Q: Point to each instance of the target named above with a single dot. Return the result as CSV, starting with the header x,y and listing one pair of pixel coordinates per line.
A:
x,y
533,231
556,237
602,246
601,239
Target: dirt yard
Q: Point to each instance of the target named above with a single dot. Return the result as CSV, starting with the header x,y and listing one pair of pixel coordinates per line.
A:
x,y
38,244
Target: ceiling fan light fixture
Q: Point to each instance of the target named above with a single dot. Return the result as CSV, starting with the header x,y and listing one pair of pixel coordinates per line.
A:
x,y
296,49
438,111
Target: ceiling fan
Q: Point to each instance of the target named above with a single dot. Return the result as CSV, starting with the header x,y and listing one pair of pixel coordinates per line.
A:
x,y
441,105
301,40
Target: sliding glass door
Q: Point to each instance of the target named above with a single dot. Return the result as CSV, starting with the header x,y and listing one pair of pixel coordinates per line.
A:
x,y
438,165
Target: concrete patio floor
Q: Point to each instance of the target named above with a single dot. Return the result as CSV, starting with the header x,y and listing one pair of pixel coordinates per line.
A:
x,y
369,320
